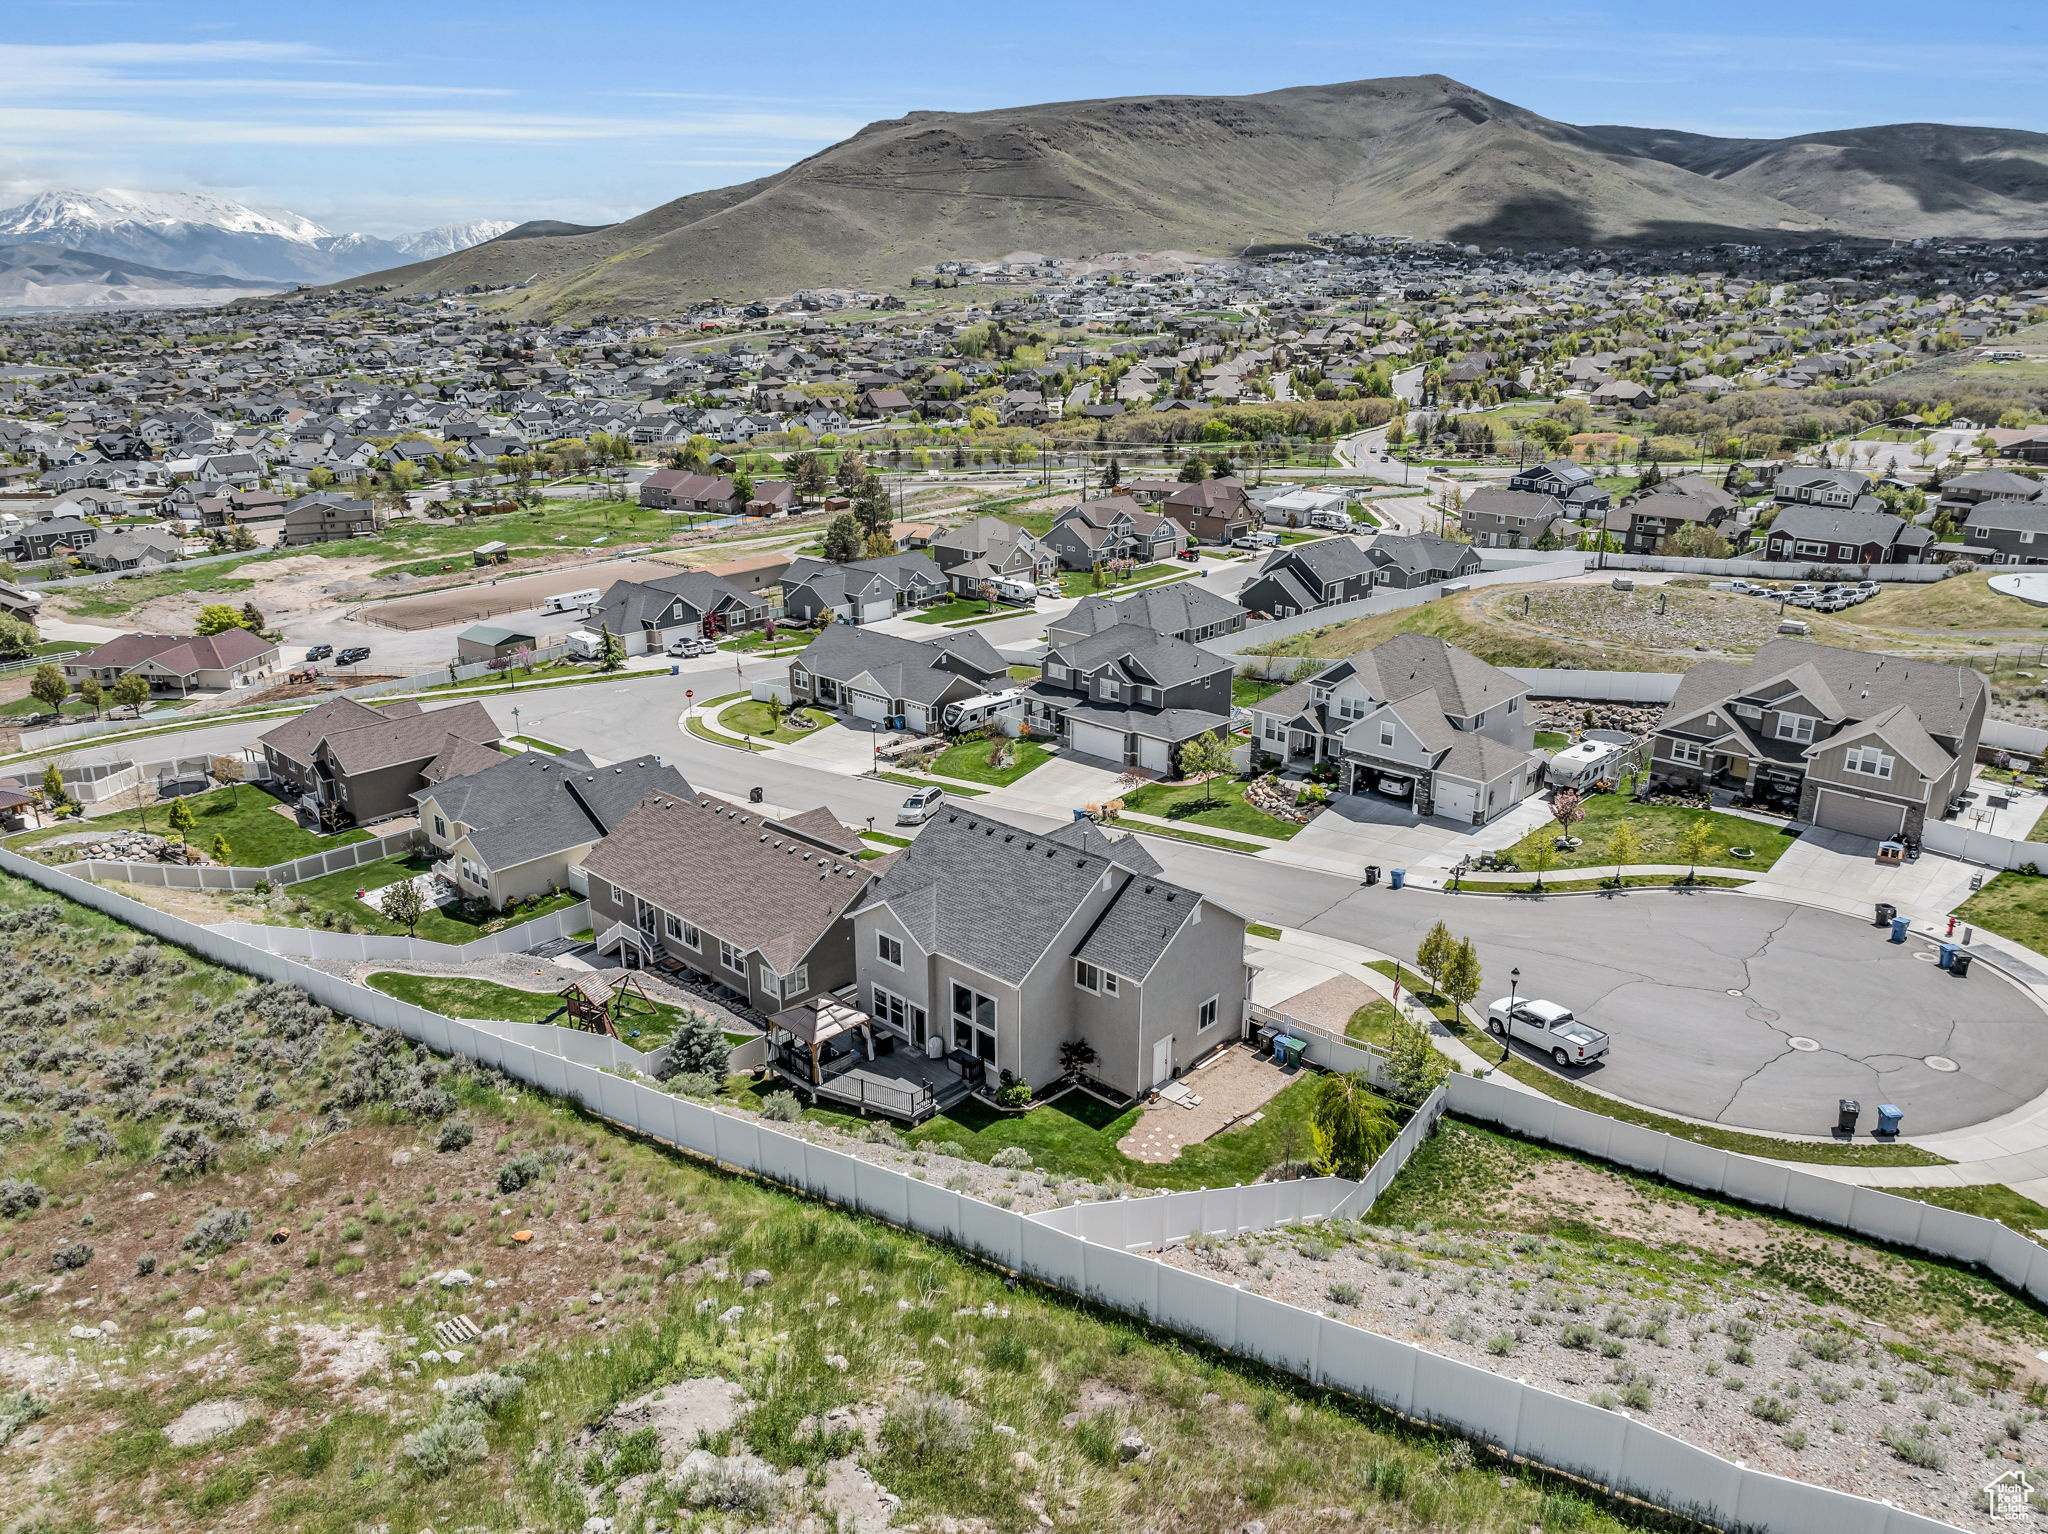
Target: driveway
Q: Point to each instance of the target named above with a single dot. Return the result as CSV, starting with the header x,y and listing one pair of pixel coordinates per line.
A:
x,y
1358,829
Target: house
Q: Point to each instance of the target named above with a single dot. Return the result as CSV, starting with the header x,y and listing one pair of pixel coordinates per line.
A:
x,y
1643,521
170,663
2007,532
1510,519
1306,576
132,550
1408,560
325,517
1965,491
522,827
680,490
1572,485
1416,720
41,540
1859,536
1625,393
985,549
1182,610
692,603
754,574
877,404
758,905
1117,527
1130,695
359,764
22,606
1298,505
1819,487
1874,745
1004,944
1210,510
495,641
861,591
878,677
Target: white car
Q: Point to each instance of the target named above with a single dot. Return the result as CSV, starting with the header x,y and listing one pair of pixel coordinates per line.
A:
x,y
1549,1027
921,806
689,646
1050,589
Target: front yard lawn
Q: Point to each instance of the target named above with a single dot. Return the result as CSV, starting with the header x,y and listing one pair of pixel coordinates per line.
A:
x,y
1372,1023
962,607
460,923
970,760
765,721
1658,827
1082,583
1226,810
257,834
453,996
2015,906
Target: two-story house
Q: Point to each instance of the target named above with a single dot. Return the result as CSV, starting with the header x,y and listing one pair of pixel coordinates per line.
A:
x,y
367,763
647,614
1863,535
985,549
1572,485
1210,510
878,677
718,889
1840,488
861,591
1643,521
1004,944
1131,695
1407,560
1510,519
1306,576
524,826
2005,532
1182,610
1875,745
1967,491
1116,527
325,517
1416,720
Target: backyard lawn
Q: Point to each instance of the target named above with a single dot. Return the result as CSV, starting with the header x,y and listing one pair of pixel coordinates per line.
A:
x,y
1551,740
1248,690
444,924
1658,827
1076,1135
1371,1023
970,760
453,996
257,834
1219,803
764,721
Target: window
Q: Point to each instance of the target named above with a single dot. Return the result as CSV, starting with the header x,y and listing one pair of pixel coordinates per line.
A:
x,y
1684,751
889,949
440,827
786,986
1205,1015
1055,672
1274,730
1386,734
1110,688
731,957
1514,705
682,931
974,1023
1090,977
894,1012
1867,760
1351,708
1818,550
1794,727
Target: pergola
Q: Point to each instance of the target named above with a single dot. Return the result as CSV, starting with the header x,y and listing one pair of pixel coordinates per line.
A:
x,y
817,1022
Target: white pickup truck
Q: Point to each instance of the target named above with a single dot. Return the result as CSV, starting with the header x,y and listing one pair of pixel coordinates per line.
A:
x,y
1549,1027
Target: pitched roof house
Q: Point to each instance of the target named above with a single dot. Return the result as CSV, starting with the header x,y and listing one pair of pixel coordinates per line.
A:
x,y
861,591
1116,527
878,676
174,663
1182,610
1130,694
1510,519
366,763
985,549
646,614
1866,534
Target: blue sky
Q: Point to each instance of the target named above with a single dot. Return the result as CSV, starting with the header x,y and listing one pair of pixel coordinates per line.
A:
x,y
382,117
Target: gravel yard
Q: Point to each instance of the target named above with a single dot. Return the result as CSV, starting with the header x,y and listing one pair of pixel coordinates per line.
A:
x,y
1796,1352
1713,622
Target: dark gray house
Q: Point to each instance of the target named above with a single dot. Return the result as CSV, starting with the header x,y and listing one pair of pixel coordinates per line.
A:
x,y
985,549
1510,519
1183,610
1309,575
877,677
862,591
1116,527
1130,694
647,614
1862,535
1573,485
1408,560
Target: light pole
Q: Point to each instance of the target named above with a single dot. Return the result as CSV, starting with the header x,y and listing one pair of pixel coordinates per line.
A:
x,y
1507,1027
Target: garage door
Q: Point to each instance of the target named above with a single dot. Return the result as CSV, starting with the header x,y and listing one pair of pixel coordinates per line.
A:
x,y
1094,740
1155,754
867,706
1859,817
1455,801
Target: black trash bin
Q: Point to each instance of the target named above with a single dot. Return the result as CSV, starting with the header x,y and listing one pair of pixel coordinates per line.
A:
x,y
1372,873
1959,966
753,796
1847,1111
1885,912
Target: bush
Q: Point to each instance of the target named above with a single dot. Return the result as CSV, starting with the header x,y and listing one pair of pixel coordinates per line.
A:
x,y
456,1134
183,1150
1577,1334
490,1393
1346,1294
733,1486
65,1258
928,1425
18,1196
1914,1449
18,1408
1770,1409
519,1172
781,1108
692,1084
217,1232
699,1047
1016,1095
1011,1156
453,1438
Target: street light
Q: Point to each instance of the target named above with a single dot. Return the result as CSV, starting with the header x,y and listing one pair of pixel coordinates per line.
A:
x,y
1507,1027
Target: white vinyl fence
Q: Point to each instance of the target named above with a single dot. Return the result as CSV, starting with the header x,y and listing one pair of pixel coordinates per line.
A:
x,y
1387,600
2013,737
224,877
1993,851
1600,686
346,947
1604,1447
1767,569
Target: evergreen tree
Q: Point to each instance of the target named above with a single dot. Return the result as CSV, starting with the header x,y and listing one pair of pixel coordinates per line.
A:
x,y
843,542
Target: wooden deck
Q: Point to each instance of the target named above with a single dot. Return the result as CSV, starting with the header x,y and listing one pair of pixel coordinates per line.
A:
x,y
903,1085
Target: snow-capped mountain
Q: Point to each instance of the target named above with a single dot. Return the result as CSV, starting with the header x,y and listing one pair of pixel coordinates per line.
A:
x,y
196,232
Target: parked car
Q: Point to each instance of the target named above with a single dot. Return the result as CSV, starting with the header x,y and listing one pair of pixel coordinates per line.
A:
x,y
1551,1028
921,806
352,654
691,645
320,652
1256,541
1050,589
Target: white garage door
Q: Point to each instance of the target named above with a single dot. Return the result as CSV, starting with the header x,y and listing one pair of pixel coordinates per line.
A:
x,y
1859,817
1155,754
867,706
1455,801
1094,740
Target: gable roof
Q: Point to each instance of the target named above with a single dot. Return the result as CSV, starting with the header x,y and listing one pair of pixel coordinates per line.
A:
x,y
916,670
1851,684
530,806
1141,651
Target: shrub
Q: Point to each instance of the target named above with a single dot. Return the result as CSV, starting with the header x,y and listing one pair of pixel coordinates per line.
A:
x,y
455,1437
1011,1156
18,1196
65,1258
519,1172
928,1425
18,1408
1577,1334
692,1084
1770,1409
490,1392
734,1486
1016,1095
699,1047
217,1232
1346,1294
1009,1351
183,1150
781,1108
1915,1449
456,1134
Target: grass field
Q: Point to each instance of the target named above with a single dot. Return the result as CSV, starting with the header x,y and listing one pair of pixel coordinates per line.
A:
x,y
646,1026
1455,620
257,834
2014,906
1219,803
763,721
1960,602
960,607
1658,826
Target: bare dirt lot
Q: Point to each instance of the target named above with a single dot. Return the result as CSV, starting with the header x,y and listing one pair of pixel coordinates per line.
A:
x,y
432,609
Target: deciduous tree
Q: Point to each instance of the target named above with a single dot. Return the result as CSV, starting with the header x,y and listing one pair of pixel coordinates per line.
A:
x,y
1349,1124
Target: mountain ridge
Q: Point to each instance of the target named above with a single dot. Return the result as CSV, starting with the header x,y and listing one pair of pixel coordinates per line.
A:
x,y
38,279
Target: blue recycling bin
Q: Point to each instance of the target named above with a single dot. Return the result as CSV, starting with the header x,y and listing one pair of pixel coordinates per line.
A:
x,y
1900,927
1888,1118
1080,815
1397,877
1948,955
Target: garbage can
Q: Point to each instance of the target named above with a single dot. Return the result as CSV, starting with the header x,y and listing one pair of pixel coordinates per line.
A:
x,y
1081,815
1947,957
1960,966
1289,1050
1397,877
1900,926
1372,873
1847,1111
1885,912
1888,1118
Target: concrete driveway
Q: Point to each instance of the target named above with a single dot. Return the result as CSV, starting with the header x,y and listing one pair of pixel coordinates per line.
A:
x,y
1358,829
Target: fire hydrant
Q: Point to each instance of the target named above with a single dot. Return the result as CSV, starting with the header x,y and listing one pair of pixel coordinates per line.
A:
x,y
1951,928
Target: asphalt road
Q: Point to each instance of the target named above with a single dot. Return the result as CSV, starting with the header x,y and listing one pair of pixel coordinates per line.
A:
x,y
1704,994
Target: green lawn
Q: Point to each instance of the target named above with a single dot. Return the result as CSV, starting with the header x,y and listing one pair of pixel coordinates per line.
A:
x,y
1082,583
1219,803
970,760
257,835
904,777
27,709
1247,690
963,607
535,743
1552,885
1076,1135
1371,1023
1551,740
445,924
2015,906
1658,827
454,996
764,721
1024,674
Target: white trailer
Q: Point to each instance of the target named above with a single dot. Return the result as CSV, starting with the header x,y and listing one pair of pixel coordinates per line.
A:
x,y
573,601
